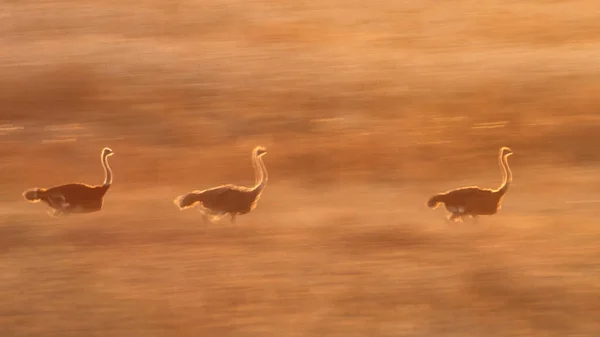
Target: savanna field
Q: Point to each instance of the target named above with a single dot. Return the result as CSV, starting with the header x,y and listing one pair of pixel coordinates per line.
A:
x,y
366,110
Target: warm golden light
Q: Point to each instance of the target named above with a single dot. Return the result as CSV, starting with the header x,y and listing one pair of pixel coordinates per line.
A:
x,y
368,109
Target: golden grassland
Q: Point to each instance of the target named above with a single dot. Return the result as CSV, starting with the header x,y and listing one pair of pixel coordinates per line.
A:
x,y
366,109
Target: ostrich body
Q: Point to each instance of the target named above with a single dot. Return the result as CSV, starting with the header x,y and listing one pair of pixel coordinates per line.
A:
x,y
229,199
75,197
473,200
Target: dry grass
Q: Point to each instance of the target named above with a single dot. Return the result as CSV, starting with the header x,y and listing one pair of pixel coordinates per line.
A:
x,y
302,264
366,108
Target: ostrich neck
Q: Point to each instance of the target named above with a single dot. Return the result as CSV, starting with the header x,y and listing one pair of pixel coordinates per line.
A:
x,y
257,170
107,171
507,175
260,172
265,175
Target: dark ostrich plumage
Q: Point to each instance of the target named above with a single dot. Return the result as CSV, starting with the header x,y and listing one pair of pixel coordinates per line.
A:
x,y
75,197
473,200
229,199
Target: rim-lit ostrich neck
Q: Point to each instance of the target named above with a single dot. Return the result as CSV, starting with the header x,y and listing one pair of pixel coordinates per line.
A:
x,y
260,172
265,175
107,171
507,173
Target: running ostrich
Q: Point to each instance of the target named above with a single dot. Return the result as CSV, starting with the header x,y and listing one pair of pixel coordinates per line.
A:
x,y
218,201
473,200
75,197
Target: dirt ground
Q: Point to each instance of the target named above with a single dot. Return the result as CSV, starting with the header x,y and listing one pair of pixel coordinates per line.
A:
x,y
366,109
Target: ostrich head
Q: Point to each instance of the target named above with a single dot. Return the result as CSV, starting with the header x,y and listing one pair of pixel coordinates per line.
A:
x,y
107,152
505,151
260,151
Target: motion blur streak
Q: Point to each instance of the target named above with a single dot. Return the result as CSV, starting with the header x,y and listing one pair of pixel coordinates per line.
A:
x,y
367,109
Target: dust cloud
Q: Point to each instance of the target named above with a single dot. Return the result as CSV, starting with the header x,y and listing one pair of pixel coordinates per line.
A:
x,y
366,110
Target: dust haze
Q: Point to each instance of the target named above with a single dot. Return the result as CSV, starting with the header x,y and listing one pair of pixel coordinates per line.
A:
x,y
366,110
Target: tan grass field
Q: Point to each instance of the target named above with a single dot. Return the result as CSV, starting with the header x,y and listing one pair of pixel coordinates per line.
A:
x,y
366,109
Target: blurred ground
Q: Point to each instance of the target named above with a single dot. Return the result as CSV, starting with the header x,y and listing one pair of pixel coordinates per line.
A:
x,y
366,109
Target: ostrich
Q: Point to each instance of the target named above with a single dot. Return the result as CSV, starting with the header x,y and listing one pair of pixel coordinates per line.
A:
x,y
229,199
473,200
76,197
